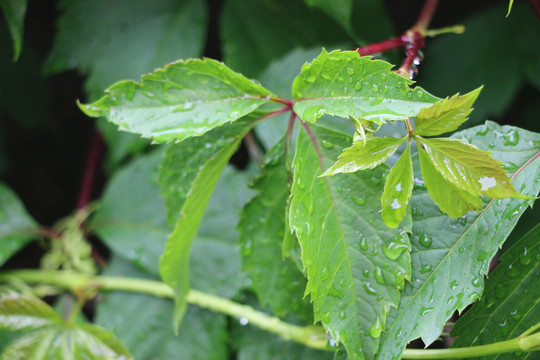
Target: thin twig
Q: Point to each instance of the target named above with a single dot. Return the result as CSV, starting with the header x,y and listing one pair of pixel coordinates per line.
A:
x,y
90,170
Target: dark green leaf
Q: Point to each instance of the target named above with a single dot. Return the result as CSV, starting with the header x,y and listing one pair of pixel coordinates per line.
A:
x,y
252,37
340,10
143,323
398,190
452,200
451,257
186,98
276,281
469,168
16,226
347,85
510,304
446,115
50,337
14,12
355,265
123,39
364,155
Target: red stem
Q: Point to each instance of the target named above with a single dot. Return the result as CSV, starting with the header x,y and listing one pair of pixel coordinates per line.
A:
x,y
90,170
383,46
289,132
536,7
314,142
426,14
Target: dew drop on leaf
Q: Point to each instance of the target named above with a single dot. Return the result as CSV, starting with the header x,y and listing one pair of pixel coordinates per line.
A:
x,y
525,257
359,200
396,246
376,328
363,243
425,310
342,315
512,270
425,268
453,284
476,282
327,144
379,276
369,289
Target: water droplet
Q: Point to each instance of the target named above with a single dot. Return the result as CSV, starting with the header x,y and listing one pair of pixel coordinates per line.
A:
x,y
363,243
379,276
365,273
482,255
525,257
375,87
327,144
244,321
376,328
476,282
512,271
425,268
369,289
359,200
417,212
350,71
247,248
426,310
425,240
396,246
342,315
420,93
376,180
454,284
358,86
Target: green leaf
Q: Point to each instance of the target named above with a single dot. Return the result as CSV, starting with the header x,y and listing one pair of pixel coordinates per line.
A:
x,y
510,304
452,200
446,115
174,264
451,257
252,37
276,281
17,227
398,190
134,38
355,264
364,155
343,84
14,12
186,98
340,10
469,168
44,335
143,323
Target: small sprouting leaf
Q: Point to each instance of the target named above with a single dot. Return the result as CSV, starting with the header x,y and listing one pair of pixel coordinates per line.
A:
x,y
470,168
40,333
364,155
17,228
452,200
347,85
14,12
445,115
509,305
398,190
276,281
185,99
451,256
356,266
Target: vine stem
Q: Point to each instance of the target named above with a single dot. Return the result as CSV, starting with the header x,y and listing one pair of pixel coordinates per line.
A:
x,y
90,170
312,336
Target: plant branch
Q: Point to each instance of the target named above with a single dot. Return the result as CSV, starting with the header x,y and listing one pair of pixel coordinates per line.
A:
x,y
426,14
90,170
536,7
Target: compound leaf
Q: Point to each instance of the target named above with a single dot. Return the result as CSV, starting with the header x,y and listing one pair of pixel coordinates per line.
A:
x,y
510,304
452,200
469,168
450,257
42,334
186,98
276,281
364,155
342,83
445,115
355,264
398,190
17,227
14,12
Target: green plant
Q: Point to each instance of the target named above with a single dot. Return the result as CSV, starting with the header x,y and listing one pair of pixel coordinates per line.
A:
x,y
360,231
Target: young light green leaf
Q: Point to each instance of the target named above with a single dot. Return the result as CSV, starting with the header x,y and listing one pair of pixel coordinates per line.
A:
x,y
510,3
355,264
342,83
42,334
14,12
185,99
452,200
17,227
450,257
364,155
445,115
470,168
510,304
398,190
174,264
276,281
132,317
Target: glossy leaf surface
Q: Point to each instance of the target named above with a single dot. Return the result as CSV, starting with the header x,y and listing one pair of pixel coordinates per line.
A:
x,y
276,281
344,84
364,155
14,12
398,190
509,305
450,257
446,115
469,168
355,264
186,98
143,323
17,228
42,334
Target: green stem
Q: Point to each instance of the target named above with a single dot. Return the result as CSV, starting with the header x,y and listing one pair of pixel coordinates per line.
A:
x,y
312,336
